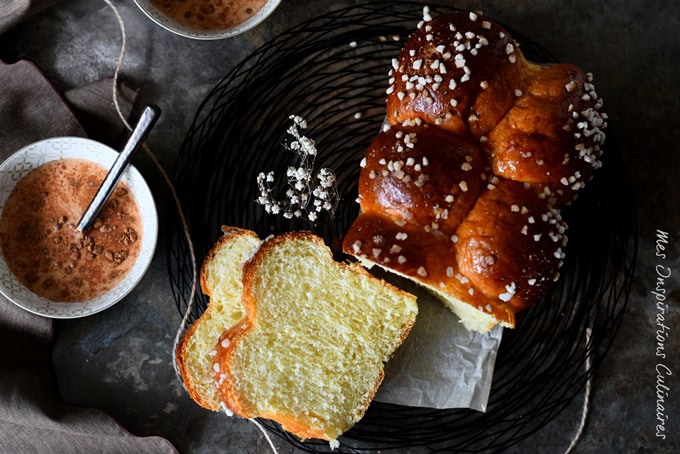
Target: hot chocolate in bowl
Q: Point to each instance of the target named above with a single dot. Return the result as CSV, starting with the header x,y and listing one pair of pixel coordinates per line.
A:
x,y
42,246
47,265
207,19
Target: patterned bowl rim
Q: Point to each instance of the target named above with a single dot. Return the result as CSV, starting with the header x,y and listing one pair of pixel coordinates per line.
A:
x,y
32,156
165,22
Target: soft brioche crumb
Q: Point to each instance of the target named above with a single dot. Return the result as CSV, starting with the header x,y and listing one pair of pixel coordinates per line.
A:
x,y
310,351
221,281
472,318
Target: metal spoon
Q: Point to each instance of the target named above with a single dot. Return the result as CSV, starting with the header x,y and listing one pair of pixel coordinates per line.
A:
x,y
146,121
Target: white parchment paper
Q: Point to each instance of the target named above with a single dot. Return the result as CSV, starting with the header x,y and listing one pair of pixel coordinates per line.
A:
x,y
441,364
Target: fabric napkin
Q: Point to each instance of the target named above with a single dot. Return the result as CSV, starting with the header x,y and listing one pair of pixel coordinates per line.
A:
x,y
13,11
32,418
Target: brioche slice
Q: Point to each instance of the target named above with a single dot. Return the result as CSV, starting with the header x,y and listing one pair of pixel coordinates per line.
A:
x,y
309,354
220,279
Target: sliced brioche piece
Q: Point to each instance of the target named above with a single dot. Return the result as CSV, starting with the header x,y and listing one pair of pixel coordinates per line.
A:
x,y
310,351
220,279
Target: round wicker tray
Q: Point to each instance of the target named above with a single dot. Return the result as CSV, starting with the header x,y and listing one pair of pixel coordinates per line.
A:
x,y
332,71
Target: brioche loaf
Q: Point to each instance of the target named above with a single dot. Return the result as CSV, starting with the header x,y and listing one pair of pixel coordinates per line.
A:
x,y
310,351
461,191
220,280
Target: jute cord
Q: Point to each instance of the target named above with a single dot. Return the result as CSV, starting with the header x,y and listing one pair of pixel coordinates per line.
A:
x,y
586,398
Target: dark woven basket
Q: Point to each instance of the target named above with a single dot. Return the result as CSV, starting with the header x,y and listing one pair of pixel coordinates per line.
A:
x,y
327,70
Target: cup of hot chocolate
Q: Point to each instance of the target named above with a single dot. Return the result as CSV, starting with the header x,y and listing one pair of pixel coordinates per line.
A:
x,y
207,19
47,265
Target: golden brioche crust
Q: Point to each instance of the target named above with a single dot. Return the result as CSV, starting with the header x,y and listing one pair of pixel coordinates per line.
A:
x,y
428,258
511,245
551,136
227,233
457,73
540,132
182,354
421,175
228,396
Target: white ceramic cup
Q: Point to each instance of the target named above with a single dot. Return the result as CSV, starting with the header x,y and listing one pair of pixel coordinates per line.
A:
x,y
33,156
169,24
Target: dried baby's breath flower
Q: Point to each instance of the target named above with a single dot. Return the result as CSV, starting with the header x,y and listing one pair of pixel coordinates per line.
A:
x,y
303,186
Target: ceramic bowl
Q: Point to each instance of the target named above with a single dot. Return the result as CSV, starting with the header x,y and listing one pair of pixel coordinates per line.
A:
x,y
32,156
168,23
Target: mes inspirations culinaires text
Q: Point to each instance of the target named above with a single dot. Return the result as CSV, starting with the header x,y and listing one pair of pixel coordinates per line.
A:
x,y
660,293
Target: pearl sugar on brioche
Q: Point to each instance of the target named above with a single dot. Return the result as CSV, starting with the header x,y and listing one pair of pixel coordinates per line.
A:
x,y
461,191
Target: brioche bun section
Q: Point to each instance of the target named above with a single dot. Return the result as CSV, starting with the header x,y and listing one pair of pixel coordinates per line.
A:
x,y
461,191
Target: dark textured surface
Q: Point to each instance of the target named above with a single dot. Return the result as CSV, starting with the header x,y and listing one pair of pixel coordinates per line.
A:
x,y
119,360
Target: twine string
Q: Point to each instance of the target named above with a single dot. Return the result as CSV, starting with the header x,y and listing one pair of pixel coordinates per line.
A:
x,y
266,435
586,398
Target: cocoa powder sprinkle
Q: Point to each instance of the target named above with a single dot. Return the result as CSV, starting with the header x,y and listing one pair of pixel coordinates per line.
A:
x,y
43,249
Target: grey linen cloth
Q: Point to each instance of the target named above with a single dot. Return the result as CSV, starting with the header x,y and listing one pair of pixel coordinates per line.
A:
x,y
13,11
32,417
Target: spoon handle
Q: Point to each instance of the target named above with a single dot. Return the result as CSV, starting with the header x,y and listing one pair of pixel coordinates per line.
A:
x,y
146,122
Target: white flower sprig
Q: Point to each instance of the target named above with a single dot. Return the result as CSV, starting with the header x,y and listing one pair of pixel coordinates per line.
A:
x,y
301,189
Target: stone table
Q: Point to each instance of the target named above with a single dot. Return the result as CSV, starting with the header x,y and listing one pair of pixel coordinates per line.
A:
x,y
120,360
